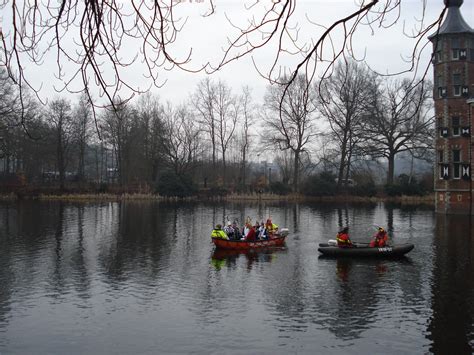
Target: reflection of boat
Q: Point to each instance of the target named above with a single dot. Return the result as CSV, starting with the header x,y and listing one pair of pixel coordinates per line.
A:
x,y
220,253
274,240
365,251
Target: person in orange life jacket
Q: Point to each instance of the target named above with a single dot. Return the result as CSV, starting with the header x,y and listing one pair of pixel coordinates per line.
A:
x,y
380,239
343,239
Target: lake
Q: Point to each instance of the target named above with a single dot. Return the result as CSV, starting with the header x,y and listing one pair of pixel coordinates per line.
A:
x,y
144,278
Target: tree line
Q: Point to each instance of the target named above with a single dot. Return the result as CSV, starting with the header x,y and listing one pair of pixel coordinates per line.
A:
x,y
213,140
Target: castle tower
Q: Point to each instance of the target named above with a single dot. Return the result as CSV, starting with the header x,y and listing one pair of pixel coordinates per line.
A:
x,y
453,63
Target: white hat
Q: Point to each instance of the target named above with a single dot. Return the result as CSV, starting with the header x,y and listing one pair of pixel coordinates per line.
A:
x,y
228,223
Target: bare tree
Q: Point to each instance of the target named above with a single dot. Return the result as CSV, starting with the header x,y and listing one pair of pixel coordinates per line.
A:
x,y
82,130
289,120
248,119
400,120
181,139
116,130
150,114
345,102
204,100
226,117
60,117
100,31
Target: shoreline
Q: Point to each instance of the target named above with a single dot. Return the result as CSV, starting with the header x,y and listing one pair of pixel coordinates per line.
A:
x,y
107,197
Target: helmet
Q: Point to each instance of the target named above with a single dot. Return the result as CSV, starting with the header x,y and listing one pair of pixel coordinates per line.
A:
x,y
228,223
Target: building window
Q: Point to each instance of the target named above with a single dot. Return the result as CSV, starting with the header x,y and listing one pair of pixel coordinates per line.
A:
x,y
455,54
455,126
457,84
455,48
438,58
456,164
440,156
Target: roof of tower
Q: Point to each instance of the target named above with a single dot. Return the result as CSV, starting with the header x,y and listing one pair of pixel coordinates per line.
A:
x,y
454,22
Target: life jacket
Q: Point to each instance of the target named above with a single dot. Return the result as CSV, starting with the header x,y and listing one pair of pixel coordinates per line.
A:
x,y
381,239
343,239
219,233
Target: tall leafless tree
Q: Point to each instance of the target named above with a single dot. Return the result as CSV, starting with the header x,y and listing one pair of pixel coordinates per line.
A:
x,y
204,100
181,139
247,111
116,127
150,114
289,120
345,103
82,131
400,120
59,115
226,117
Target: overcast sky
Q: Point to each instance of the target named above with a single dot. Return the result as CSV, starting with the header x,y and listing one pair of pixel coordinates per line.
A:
x,y
383,49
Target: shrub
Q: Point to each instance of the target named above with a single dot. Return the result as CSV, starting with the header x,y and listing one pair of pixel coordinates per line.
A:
x,y
280,188
170,184
320,185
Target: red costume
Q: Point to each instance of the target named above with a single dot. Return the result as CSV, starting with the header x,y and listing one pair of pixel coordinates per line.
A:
x,y
380,239
251,235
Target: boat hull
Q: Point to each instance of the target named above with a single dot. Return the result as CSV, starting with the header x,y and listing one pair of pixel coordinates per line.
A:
x,y
364,251
276,241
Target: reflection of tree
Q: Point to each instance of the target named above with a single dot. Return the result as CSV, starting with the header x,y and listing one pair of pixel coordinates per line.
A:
x,y
139,242
451,325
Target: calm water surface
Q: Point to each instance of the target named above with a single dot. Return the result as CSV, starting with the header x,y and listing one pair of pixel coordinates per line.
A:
x,y
143,278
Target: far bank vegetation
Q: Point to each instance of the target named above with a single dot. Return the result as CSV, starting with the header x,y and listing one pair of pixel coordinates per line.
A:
x,y
342,137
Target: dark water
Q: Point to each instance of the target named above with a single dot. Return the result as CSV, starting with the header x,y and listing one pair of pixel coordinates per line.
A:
x,y
143,278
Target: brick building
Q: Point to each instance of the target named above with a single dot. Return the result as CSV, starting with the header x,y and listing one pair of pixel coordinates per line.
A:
x,y
453,63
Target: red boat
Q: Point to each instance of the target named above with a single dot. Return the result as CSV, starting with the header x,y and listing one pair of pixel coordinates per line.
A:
x,y
275,240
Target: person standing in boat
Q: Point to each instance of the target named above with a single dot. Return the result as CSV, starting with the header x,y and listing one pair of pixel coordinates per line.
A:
x,y
342,238
380,239
219,233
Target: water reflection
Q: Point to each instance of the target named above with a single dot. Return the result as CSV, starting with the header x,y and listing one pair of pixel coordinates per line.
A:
x,y
452,286
98,275
229,258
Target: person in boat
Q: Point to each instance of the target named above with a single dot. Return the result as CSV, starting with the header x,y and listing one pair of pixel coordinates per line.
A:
x,y
219,233
252,234
342,238
237,234
271,227
262,231
380,239
229,230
